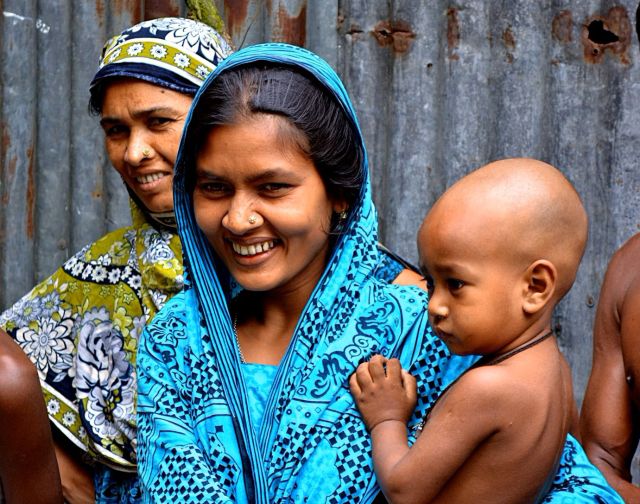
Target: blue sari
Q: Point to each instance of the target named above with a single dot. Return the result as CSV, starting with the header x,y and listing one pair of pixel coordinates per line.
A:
x,y
197,439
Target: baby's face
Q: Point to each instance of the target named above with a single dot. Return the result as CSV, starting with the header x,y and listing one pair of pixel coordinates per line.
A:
x,y
475,292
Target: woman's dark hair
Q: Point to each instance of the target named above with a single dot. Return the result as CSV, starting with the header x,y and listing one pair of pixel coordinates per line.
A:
x,y
321,128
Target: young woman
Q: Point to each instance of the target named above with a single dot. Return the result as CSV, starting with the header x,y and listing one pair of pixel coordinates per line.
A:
x,y
243,376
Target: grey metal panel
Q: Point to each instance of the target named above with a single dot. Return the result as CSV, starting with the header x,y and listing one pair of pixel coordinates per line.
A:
x,y
323,21
18,67
244,20
87,158
53,148
365,67
440,88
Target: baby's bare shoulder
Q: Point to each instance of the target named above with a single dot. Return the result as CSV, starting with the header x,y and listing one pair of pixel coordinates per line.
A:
x,y
499,388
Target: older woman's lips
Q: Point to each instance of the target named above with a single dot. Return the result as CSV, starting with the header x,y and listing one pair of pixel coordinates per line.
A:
x,y
151,177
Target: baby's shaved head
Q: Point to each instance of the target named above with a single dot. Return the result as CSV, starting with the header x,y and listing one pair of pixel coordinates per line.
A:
x,y
520,207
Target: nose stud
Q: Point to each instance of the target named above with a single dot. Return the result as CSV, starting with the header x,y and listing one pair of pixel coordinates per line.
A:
x,y
146,152
253,218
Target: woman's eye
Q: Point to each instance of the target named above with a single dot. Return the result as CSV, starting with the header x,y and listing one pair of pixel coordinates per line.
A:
x,y
159,121
212,188
115,130
274,187
455,284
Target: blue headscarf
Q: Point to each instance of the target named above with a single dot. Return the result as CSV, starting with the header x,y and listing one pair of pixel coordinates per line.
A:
x,y
194,418
197,440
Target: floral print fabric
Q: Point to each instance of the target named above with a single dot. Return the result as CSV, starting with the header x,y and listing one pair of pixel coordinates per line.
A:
x,y
80,327
183,47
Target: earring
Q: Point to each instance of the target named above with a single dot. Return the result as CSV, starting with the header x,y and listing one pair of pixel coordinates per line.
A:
x,y
146,152
253,218
340,221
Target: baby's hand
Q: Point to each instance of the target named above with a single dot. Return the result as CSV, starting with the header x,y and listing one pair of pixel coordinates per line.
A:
x,y
383,396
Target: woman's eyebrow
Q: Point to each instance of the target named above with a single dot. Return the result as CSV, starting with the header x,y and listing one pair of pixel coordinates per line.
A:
x,y
137,114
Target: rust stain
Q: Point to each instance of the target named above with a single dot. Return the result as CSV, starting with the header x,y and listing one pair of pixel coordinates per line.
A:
x,y
610,33
100,9
235,15
355,31
562,26
6,139
340,19
453,32
161,8
382,33
133,7
30,196
3,149
397,34
509,38
11,170
291,29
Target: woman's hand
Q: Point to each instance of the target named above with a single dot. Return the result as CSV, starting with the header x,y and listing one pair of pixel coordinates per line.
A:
x,y
383,391
76,477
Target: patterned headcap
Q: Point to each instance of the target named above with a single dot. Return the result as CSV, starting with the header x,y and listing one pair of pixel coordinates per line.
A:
x,y
175,53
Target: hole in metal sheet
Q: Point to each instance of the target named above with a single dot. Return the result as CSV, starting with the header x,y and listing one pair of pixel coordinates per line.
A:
x,y
638,21
598,34
609,33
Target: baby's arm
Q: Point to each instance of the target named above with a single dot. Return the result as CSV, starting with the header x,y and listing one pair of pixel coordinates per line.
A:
x,y
464,419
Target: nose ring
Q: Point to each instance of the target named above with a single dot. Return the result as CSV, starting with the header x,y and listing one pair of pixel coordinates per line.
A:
x,y
253,218
146,152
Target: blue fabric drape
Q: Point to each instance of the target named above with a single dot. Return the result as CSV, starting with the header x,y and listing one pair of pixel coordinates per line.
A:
x,y
197,440
193,411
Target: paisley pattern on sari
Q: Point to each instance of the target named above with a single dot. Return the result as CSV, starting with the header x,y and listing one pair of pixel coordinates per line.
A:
x,y
197,439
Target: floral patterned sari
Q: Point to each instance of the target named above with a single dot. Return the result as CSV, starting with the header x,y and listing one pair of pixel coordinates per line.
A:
x,y
81,326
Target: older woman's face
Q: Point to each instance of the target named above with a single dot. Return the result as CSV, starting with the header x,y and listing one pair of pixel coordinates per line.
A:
x,y
142,124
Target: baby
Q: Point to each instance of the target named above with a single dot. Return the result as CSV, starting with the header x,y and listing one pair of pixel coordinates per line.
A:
x,y
498,250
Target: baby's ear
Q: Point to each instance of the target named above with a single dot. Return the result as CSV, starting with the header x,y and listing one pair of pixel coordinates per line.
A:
x,y
541,277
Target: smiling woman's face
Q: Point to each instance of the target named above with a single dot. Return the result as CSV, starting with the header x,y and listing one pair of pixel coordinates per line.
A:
x,y
143,124
262,205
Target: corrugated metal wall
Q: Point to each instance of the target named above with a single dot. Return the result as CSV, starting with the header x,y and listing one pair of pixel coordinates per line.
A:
x,y
440,87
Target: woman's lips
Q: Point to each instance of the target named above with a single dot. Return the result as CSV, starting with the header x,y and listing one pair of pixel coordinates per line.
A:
x,y
253,249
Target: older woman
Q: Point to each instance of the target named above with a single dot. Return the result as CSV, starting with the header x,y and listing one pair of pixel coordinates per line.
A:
x,y
243,376
81,325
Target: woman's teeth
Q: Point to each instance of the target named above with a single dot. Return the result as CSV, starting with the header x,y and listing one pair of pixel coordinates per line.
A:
x,y
145,179
252,249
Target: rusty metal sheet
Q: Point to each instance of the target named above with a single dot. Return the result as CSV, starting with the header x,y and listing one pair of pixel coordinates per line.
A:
x,y
53,147
287,21
440,88
19,76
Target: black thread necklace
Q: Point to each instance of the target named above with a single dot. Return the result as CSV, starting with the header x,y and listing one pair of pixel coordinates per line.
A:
x,y
511,353
483,361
